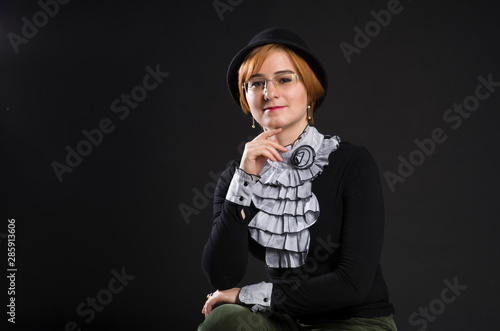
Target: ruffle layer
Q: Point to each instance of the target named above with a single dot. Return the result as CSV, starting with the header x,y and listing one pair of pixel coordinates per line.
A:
x,y
287,207
285,258
283,223
283,192
274,206
292,242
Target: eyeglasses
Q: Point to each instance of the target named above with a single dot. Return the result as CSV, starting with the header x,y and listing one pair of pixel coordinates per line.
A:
x,y
282,82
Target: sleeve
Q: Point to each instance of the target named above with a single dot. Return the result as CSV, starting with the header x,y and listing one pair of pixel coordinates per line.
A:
x,y
240,189
360,246
225,254
258,295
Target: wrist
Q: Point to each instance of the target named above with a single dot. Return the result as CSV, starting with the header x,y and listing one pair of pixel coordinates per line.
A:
x,y
238,301
249,172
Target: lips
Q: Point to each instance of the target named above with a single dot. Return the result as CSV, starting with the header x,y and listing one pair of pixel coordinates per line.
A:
x,y
274,108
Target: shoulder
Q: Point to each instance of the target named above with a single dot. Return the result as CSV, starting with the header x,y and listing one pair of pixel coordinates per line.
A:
x,y
353,168
349,162
348,153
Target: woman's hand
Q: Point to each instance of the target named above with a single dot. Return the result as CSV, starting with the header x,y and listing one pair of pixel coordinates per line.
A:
x,y
218,297
259,150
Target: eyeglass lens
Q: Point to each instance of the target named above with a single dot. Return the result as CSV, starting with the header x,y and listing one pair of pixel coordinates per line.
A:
x,y
281,81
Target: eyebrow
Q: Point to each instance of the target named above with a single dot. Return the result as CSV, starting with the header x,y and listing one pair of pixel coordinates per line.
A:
x,y
287,71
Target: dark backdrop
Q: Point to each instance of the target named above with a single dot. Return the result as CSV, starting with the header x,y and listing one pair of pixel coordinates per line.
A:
x,y
137,202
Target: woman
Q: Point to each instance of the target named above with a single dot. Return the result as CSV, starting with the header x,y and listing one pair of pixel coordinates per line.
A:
x,y
308,205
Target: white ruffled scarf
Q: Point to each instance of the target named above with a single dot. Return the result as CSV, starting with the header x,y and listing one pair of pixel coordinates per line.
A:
x,y
287,207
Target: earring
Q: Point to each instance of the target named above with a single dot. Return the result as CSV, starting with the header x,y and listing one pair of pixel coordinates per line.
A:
x,y
253,122
308,114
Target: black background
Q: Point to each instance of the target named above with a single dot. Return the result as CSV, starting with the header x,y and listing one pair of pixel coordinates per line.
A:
x,y
120,207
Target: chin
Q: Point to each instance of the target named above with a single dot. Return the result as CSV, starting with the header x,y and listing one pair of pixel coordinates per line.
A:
x,y
272,126
273,123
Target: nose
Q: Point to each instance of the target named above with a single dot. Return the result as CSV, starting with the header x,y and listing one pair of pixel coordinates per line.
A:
x,y
270,90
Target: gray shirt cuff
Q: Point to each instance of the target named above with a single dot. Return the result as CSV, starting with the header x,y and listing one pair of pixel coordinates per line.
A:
x,y
240,189
257,294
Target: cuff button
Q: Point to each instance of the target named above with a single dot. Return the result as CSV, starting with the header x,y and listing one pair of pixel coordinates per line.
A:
x,y
241,199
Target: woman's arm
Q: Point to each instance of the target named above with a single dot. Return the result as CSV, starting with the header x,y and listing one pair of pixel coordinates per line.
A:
x,y
225,254
360,247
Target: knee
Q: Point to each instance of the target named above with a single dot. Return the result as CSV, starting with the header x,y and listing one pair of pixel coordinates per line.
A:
x,y
228,317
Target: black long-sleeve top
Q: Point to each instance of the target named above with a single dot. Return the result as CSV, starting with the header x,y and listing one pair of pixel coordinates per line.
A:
x,y
342,277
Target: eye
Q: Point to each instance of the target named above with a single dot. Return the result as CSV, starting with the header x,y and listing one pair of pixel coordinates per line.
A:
x,y
255,84
284,79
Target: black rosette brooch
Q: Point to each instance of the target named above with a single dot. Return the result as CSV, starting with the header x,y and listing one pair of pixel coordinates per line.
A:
x,y
303,157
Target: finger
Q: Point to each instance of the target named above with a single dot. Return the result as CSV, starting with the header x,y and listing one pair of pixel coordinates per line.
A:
x,y
208,310
277,146
268,134
272,155
210,302
265,150
257,145
277,155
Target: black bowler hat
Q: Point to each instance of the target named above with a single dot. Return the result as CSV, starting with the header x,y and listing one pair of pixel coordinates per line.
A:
x,y
278,36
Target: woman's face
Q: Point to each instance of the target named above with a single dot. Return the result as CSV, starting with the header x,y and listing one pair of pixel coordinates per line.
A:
x,y
275,108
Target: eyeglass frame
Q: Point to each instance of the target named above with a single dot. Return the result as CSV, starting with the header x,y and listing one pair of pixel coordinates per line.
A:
x,y
272,80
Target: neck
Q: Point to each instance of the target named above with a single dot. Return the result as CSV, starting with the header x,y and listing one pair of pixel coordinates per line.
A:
x,y
289,135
